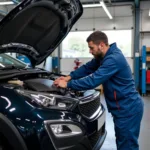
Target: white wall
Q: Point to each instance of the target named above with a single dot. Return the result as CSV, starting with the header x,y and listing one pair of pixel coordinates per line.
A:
x,y
145,23
67,65
97,18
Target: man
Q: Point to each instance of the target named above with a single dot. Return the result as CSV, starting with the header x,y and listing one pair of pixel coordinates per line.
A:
x,y
110,68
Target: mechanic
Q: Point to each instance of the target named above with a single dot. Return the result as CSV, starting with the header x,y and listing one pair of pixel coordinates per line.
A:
x,y
110,68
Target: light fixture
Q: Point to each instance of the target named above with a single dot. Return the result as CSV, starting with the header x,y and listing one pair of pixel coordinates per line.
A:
x,y
7,3
91,5
106,9
101,4
149,12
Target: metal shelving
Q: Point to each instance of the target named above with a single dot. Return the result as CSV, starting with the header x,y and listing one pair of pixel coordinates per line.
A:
x,y
145,66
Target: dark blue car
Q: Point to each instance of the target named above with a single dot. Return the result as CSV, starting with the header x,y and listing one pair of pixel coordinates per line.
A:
x,y
34,114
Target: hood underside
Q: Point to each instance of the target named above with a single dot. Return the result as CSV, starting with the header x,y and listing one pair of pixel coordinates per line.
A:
x,y
36,28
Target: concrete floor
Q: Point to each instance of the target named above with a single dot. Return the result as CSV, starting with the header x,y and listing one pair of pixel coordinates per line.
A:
x,y
144,139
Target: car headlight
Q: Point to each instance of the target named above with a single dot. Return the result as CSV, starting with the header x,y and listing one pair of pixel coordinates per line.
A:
x,y
49,100
65,133
63,128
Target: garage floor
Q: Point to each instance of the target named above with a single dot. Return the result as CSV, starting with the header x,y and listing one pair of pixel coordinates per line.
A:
x,y
144,139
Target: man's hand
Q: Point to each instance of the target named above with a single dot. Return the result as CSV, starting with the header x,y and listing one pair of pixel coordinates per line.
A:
x,y
67,78
60,83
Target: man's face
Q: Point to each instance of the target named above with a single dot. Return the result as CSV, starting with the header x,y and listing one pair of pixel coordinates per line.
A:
x,y
96,50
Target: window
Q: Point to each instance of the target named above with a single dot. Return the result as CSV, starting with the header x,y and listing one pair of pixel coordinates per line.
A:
x,y
7,60
75,45
123,38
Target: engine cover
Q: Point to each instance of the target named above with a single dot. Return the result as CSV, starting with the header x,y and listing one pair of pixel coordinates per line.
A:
x,y
41,85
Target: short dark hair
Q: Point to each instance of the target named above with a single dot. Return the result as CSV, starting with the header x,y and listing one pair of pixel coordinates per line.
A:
x,y
97,37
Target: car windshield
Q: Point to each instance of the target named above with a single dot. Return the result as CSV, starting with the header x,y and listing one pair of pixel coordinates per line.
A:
x,y
8,61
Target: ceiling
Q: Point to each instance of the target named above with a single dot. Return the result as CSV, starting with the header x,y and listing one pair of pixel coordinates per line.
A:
x,y
5,9
91,1
108,1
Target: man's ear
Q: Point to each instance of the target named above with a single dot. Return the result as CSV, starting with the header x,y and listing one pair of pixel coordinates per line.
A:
x,y
99,46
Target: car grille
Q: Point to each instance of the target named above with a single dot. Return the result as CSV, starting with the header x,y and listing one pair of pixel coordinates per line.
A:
x,y
89,108
95,136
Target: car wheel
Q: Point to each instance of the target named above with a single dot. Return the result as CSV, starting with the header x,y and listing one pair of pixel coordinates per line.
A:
x,y
4,144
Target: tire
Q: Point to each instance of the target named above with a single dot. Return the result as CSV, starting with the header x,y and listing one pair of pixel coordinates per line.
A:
x,y
4,144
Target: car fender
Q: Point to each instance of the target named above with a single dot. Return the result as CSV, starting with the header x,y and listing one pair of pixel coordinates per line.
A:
x,y
11,133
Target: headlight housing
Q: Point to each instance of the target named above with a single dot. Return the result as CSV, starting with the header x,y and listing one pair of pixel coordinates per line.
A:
x,y
65,133
49,100
65,130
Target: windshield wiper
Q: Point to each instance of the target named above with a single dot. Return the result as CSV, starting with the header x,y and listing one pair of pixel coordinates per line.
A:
x,y
12,67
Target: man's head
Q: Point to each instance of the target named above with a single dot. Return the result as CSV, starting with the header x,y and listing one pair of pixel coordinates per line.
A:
x,y
98,44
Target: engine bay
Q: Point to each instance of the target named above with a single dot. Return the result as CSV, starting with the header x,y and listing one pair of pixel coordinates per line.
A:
x,y
41,83
39,87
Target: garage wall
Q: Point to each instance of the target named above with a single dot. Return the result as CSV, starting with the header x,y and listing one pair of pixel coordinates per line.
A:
x,y
145,24
97,18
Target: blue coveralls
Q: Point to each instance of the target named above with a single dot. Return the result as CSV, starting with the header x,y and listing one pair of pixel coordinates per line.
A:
x,y
123,101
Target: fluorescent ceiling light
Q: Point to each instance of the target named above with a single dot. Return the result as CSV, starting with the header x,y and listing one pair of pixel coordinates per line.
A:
x,y
91,5
7,3
106,9
149,12
101,4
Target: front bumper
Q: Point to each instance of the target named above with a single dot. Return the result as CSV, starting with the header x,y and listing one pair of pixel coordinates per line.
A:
x,y
100,141
82,141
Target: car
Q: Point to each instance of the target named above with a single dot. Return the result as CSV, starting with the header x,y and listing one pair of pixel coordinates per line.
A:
x,y
34,114
7,61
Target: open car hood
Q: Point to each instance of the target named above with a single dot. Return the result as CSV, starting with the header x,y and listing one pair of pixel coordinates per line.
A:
x,y
36,27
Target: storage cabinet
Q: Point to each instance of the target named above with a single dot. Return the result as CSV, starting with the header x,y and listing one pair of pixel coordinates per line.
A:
x,y
145,73
148,76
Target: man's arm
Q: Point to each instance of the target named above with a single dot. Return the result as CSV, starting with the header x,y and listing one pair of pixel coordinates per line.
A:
x,y
102,74
85,69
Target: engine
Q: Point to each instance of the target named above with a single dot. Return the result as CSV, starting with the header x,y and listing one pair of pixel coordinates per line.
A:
x,y
42,85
